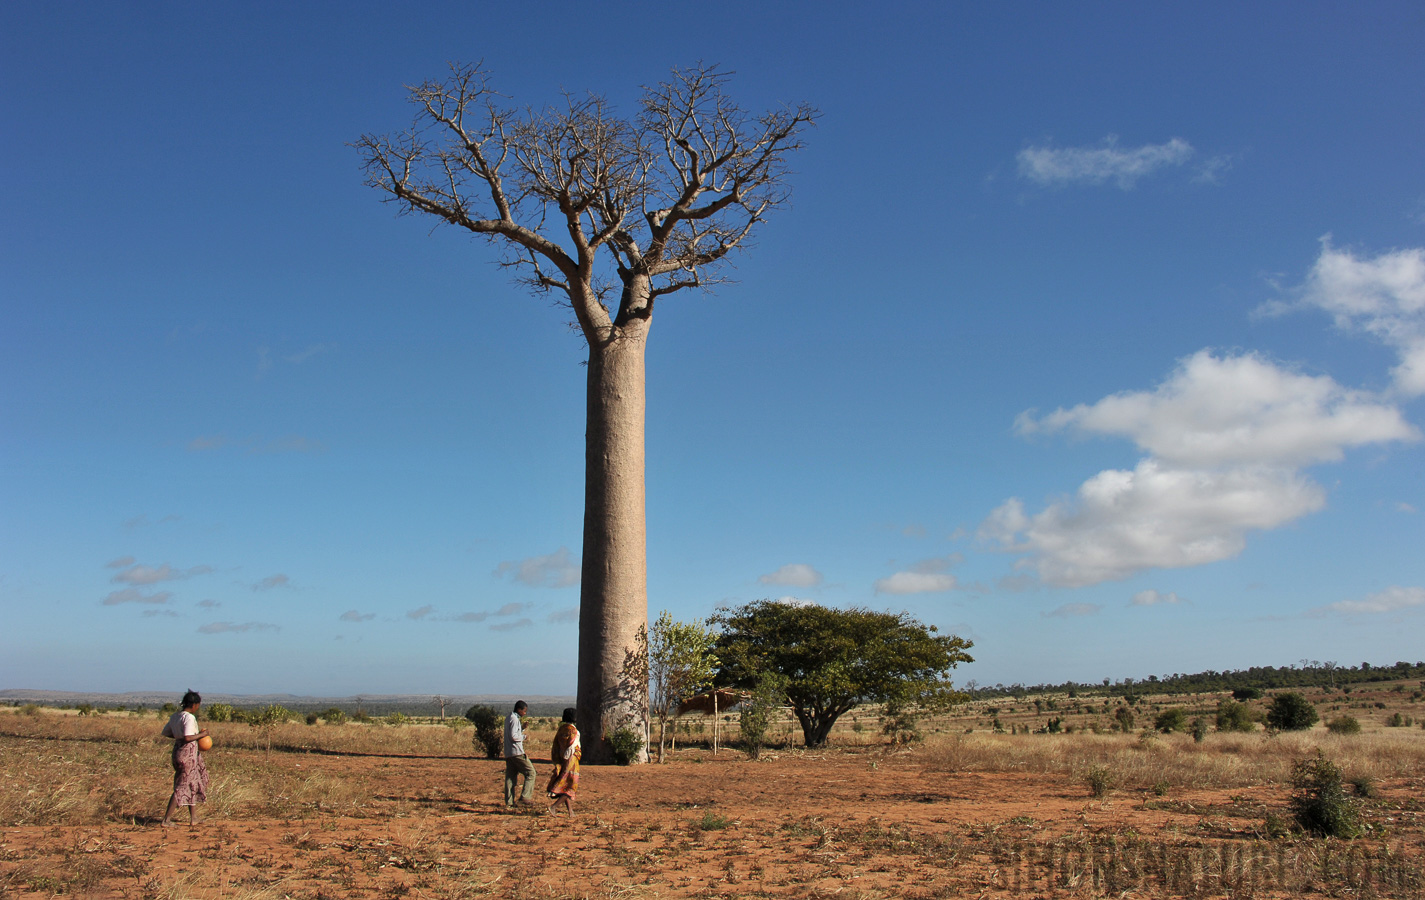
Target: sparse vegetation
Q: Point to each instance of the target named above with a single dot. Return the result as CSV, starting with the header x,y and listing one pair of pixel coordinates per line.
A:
x,y
1319,800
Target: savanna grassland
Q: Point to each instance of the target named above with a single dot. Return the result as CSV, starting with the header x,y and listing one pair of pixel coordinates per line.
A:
x,y
987,802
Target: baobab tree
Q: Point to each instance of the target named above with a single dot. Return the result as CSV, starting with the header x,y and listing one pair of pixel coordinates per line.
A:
x,y
608,214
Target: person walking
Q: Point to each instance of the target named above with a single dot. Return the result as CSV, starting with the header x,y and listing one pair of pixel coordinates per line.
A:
x,y
564,782
517,764
190,776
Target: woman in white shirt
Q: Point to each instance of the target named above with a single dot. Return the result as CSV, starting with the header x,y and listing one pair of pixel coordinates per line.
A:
x,y
190,776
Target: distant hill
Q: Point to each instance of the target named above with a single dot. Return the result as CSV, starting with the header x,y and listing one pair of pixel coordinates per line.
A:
x,y
371,704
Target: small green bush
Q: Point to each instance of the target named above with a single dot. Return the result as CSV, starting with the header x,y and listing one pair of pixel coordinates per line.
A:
x,y
1365,786
1124,717
333,716
1247,693
1100,780
1344,725
1170,720
1319,800
489,730
397,719
1234,716
218,712
1199,729
626,745
711,821
755,714
1291,712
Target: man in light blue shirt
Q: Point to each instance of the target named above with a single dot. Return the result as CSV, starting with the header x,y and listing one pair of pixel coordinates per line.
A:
x,y
517,763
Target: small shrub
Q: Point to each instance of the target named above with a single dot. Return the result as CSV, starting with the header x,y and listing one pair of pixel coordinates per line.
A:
x,y
1364,786
1247,693
1344,725
334,716
1100,781
1291,712
85,709
312,718
755,714
1319,800
1124,717
397,719
489,730
218,712
1199,729
626,745
1234,716
1170,720
1396,721
711,821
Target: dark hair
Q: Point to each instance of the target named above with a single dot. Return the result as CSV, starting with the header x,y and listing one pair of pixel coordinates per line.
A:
x,y
569,714
520,705
191,698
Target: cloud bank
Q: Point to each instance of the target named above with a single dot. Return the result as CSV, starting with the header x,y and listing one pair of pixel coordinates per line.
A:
x,y
792,575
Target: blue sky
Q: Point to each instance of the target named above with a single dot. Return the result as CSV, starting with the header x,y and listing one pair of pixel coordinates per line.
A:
x,y
1094,333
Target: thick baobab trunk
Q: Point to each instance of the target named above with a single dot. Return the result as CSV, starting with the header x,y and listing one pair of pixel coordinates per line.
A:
x,y
613,595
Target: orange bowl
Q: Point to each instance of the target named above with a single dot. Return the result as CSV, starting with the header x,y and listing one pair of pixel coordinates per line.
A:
x,y
205,743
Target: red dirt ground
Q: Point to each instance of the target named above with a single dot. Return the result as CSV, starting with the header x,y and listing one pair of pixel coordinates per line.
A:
x,y
847,824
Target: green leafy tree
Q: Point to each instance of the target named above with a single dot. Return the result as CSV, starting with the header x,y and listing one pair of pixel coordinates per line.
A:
x,y
832,659
218,712
1291,712
681,663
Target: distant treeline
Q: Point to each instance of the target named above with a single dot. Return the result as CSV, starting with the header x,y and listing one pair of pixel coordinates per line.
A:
x,y
1262,678
354,710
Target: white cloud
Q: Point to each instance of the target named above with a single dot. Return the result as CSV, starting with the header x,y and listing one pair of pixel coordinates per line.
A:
x,y
420,613
236,627
793,575
134,595
352,615
1096,165
556,570
511,626
1226,438
1236,410
789,600
1123,522
273,581
1391,599
1072,610
141,574
1154,598
1383,296
119,563
925,577
565,616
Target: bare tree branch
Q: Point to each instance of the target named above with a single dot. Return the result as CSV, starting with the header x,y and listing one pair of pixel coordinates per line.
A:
x,y
669,194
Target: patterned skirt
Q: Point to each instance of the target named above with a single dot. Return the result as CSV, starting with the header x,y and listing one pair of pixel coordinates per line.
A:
x,y
566,784
190,776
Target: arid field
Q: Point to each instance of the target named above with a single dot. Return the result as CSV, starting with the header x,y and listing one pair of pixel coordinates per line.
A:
x,y
408,810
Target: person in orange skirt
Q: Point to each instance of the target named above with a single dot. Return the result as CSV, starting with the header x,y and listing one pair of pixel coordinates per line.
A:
x,y
564,783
